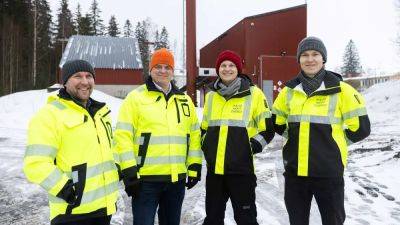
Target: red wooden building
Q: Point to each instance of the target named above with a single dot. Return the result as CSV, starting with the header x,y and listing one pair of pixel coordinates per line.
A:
x,y
267,44
116,61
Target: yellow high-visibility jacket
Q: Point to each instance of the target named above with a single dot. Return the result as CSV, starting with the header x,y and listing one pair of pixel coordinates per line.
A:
x,y
157,137
319,127
66,143
235,128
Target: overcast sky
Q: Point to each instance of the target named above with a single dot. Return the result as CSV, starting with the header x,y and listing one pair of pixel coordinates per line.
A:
x,y
372,24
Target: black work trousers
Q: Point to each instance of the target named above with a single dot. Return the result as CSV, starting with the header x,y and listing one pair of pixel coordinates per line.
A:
x,y
240,189
328,193
104,220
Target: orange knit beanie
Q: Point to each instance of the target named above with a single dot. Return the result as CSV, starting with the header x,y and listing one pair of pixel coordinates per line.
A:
x,y
162,56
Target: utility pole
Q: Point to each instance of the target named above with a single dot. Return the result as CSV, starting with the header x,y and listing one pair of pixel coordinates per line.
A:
x,y
34,42
191,63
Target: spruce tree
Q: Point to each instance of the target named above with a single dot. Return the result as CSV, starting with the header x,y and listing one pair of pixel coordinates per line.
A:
x,y
164,42
97,22
142,36
351,61
128,29
113,30
44,45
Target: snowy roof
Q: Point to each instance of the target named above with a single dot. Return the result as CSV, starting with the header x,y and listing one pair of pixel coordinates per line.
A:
x,y
103,52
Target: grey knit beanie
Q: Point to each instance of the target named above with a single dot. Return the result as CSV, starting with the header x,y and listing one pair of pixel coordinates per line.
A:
x,y
311,43
74,66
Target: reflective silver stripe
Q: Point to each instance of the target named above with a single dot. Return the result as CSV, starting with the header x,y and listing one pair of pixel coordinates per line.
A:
x,y
92,195
209,106
54,177
195,127
232,123
260,139
116,157
127,156
100,168
279,112
163,140
41,150
75,177
101,192
262,116
163,159
140,89
247,105
355,113
195,153
58,104
125,126
313,119
289,96
332,105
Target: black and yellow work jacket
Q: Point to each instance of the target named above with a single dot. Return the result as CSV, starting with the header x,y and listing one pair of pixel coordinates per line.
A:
x,y
157,136
68,143
235,128
319,127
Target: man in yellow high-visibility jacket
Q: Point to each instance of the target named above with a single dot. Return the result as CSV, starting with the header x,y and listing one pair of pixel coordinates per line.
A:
x,y
69,152
158,141
319,115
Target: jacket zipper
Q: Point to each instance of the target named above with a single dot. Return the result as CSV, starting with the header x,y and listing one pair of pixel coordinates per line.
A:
x,y
177,111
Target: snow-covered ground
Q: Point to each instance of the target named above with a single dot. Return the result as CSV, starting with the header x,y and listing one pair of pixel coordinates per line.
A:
x,y
371,179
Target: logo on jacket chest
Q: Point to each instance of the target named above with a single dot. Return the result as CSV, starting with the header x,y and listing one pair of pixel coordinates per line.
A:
x,y
321,101
237,108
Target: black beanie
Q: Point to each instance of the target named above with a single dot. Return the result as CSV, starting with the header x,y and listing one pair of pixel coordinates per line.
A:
x,y
74,66
311,43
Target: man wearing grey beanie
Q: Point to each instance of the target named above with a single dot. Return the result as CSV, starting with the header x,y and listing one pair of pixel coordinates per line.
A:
x,y
320,116
69,151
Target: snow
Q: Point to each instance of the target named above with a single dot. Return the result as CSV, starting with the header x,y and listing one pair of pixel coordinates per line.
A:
x,y
372,179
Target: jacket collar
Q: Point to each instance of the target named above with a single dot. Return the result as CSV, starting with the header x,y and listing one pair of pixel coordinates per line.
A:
x,y
244,89
92,107
152,87
330,84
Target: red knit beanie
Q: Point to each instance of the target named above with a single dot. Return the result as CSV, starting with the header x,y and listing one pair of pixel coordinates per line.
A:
x,y
231,56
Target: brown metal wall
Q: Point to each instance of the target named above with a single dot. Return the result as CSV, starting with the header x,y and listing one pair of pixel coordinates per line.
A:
x,y
232,39
266,35
120,76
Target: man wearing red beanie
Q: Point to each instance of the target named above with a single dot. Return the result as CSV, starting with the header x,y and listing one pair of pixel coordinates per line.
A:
x,y
158,141
236,125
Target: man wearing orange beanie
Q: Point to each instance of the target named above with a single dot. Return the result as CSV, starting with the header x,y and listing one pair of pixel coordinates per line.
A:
x,y
158,141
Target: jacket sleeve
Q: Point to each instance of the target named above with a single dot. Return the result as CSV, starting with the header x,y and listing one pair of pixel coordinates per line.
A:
x,y
354,114
124,137
195,155
280,111
263,121
41,151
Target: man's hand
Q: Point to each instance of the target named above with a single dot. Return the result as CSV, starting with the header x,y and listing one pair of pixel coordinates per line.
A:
x,y
191,182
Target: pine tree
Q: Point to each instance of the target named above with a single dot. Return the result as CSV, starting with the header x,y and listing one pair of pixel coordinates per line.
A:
x,y
97,22
142,36
113,29
351,61
164,42
128,29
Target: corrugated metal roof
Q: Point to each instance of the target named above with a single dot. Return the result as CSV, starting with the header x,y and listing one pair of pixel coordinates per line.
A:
x,y
103,52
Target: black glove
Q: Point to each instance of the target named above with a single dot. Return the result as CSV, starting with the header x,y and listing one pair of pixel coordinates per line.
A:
x,y
68,193
255,146
132,187
191,182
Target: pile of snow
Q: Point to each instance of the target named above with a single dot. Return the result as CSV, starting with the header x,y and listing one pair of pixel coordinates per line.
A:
x,y
17,109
